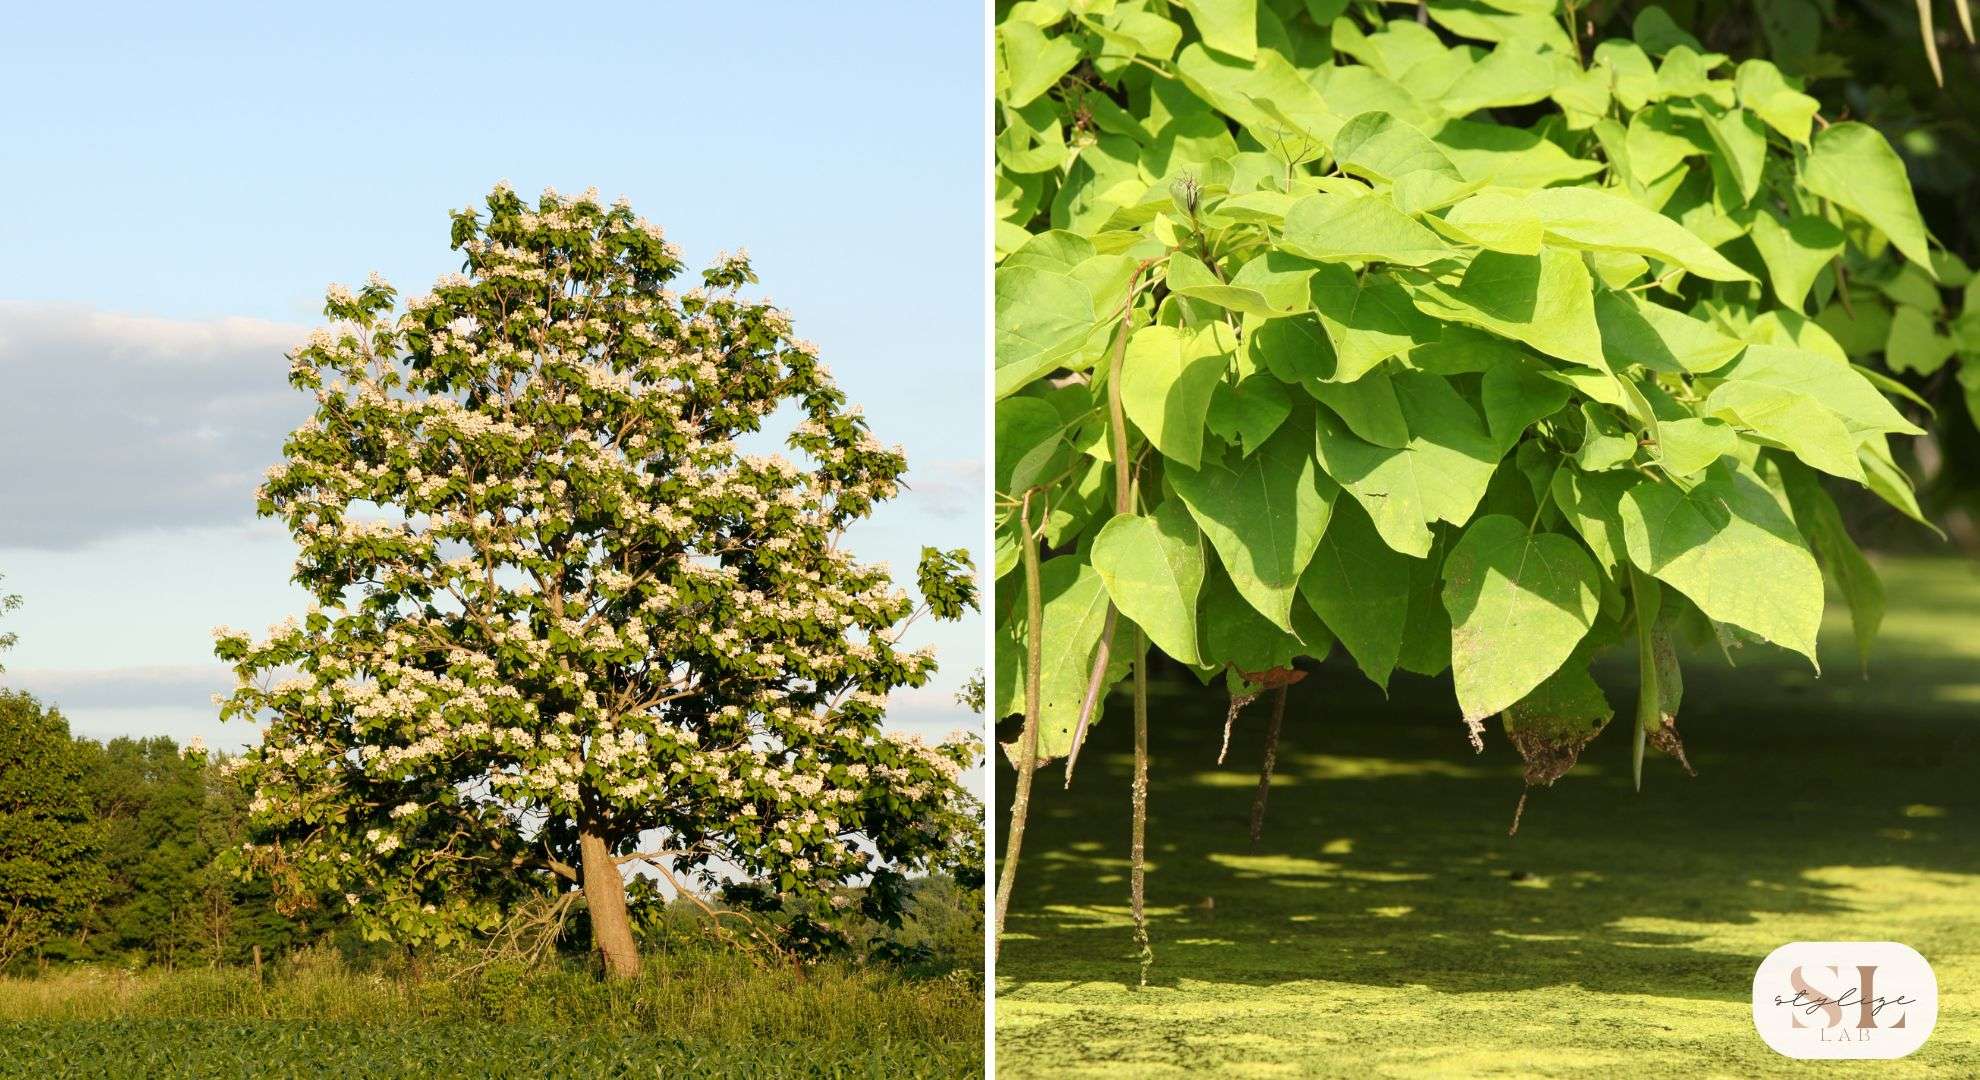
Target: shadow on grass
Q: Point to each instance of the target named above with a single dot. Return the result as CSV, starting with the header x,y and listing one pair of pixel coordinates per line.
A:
x,y
1385,860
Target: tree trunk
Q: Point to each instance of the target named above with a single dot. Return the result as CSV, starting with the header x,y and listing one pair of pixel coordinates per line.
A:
x,y
605,899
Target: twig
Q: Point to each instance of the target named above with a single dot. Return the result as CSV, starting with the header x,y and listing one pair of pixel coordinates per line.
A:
x,y
1138,845
1265,770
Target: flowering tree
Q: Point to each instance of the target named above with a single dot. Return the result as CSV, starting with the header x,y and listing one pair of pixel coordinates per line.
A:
x,y
8,602
562,622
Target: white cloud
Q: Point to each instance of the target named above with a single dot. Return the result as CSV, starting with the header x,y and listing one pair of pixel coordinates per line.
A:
x,y
121,423
951,488
187,686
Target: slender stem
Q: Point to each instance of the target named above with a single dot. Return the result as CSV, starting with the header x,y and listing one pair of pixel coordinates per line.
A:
x,y
1123,504
1027,741
1265,770
1139,843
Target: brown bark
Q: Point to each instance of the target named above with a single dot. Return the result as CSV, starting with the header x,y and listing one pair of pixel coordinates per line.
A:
x,y
605,899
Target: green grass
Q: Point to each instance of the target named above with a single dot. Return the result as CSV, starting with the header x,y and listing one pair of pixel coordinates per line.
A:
x,y
1386,925
694,1013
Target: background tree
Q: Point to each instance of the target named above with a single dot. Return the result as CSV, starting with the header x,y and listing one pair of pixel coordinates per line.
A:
x,y
49,868
168,818
563,621
147,799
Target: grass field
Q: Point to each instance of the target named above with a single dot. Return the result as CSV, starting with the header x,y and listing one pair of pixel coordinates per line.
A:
x,y
1386,925
702,1013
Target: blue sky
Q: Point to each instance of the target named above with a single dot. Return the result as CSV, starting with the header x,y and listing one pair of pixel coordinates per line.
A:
x,y
179,188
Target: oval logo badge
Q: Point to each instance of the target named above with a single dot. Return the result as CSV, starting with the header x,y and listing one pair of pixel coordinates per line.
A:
x,y
1845,999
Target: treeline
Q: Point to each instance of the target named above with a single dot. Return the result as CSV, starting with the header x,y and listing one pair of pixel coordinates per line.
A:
x,y
115,852
119,853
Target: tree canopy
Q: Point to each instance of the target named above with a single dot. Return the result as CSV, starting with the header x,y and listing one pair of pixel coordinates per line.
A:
x,y
573,611
49,847
1476,339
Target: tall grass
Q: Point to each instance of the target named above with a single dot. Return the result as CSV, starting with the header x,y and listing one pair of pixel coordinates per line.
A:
x,y
714,1008
704,993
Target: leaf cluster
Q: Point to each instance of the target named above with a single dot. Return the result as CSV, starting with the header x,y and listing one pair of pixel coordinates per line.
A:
x,y
1466,343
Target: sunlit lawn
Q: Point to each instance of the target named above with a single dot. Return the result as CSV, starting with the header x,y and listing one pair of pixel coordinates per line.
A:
x,y
1386,925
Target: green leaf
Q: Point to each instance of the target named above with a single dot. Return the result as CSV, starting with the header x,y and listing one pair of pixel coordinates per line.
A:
x,y
1426,644
1266,96
1795,252
1053,249
1377,146
1042,318
1073,614
1545,300
1333,227
1600,221
1685,73
1032,62
1139,33
1658,32
1292,349
1360,587
1439,476
1247,414
1509,156
1789,419
1605,442
1906,283
1716,541
1591,505
1480,21
1658,141
1153,570
1637,331
1851,165
1494,220
1815,512
1229,26
1166,380
1515,395
1762,89
1633,77
1550,725
1234,633
1264,514
1829,380
1519,603
1271,285
1859,330
1367,319
1686,447
1891,484
1742,144
1031,443
1516,73
1368,406
1914,343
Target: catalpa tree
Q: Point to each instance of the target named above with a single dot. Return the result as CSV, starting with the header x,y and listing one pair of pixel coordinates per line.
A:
x,y
563,622
1458,341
